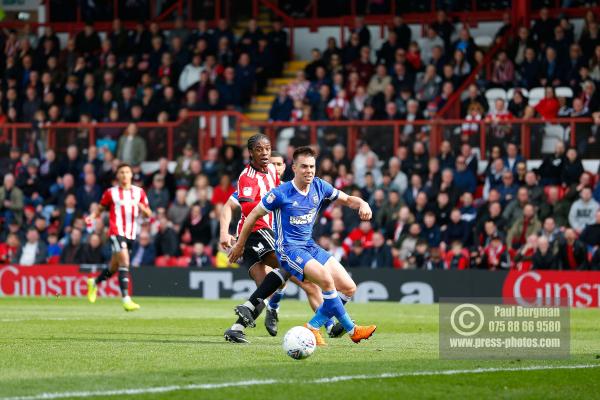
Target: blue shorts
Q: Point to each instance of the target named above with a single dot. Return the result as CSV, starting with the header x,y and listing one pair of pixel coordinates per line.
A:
x,y
295,258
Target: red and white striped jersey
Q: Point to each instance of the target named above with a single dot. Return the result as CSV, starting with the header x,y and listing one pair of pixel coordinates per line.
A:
x,y
124,209
252,186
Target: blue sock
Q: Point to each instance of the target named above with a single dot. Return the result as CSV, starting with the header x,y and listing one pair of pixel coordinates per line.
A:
x,y
326,310
332,307
319,318
331,303
346,322
276,298
344,300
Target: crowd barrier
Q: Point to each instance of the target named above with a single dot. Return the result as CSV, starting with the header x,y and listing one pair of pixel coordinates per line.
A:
x,y
580,288
214,129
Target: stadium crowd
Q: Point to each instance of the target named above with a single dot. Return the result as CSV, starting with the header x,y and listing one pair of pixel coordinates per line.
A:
x,y
429,212
413,78
146,74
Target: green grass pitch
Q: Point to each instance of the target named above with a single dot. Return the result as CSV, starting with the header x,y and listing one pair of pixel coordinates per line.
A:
x,y
173,349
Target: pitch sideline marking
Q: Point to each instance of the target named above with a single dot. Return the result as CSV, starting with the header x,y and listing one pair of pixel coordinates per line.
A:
x,y
209,386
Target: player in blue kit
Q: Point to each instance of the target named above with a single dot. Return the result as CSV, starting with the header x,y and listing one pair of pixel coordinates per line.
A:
x,y
295,206
226,240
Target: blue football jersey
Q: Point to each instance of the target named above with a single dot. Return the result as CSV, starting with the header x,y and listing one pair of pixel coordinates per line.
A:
x,y
294,212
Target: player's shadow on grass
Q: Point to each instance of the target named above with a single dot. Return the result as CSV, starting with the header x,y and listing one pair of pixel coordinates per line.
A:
x,y
143,333
123,340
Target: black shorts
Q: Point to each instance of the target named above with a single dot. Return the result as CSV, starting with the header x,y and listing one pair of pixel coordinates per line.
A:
x,y
120,243
258,245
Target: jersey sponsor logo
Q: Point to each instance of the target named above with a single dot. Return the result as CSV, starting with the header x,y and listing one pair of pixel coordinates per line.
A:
x,y
270,198
247,191
304,219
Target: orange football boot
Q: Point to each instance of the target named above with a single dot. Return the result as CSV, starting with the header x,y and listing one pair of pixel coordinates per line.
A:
x,y
318,338
362,332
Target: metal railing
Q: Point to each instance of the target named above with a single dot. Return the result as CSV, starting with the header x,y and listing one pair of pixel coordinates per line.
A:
x,y
225,9
207,130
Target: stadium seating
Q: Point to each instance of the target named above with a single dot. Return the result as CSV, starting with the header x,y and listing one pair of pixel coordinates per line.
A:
x,y
496,93
535,95
553,134
564,91
510,93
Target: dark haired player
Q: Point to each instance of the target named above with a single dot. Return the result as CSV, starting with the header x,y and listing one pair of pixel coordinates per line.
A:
x,y
226,240
124,202
256,180
295,206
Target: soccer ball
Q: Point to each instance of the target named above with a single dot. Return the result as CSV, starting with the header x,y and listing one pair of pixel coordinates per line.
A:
x,y
299,343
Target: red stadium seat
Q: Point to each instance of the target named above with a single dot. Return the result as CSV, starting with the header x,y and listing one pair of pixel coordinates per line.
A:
x,y
561,191
163,261
512,254
187,250
183,261
478,192
54,260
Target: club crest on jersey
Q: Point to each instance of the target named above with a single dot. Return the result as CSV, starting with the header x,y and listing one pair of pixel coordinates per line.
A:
x,y
247,191
270,198
299,259
315,199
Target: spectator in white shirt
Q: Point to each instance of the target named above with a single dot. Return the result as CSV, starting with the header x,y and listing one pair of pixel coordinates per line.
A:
x,y
191,73
34,251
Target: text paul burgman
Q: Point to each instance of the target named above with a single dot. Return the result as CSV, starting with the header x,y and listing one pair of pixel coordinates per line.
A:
x,y
532,312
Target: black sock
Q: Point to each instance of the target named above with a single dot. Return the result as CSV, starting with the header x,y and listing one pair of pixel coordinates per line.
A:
x,y
343,298
258,309
272,282
124,281
104,275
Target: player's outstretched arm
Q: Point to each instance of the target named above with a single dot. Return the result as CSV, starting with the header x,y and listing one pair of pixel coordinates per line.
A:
x,y
95,214
145,209
356,203
225,238
238,249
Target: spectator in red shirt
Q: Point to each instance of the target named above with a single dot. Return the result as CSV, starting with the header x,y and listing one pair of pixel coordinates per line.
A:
x,y
413,56
495,255
572,253
222,192
457,257
547,108
524,257
364,234
9,249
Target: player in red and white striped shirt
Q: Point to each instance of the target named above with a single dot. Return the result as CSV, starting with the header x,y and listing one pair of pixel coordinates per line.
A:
x,y
255,181
124,202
